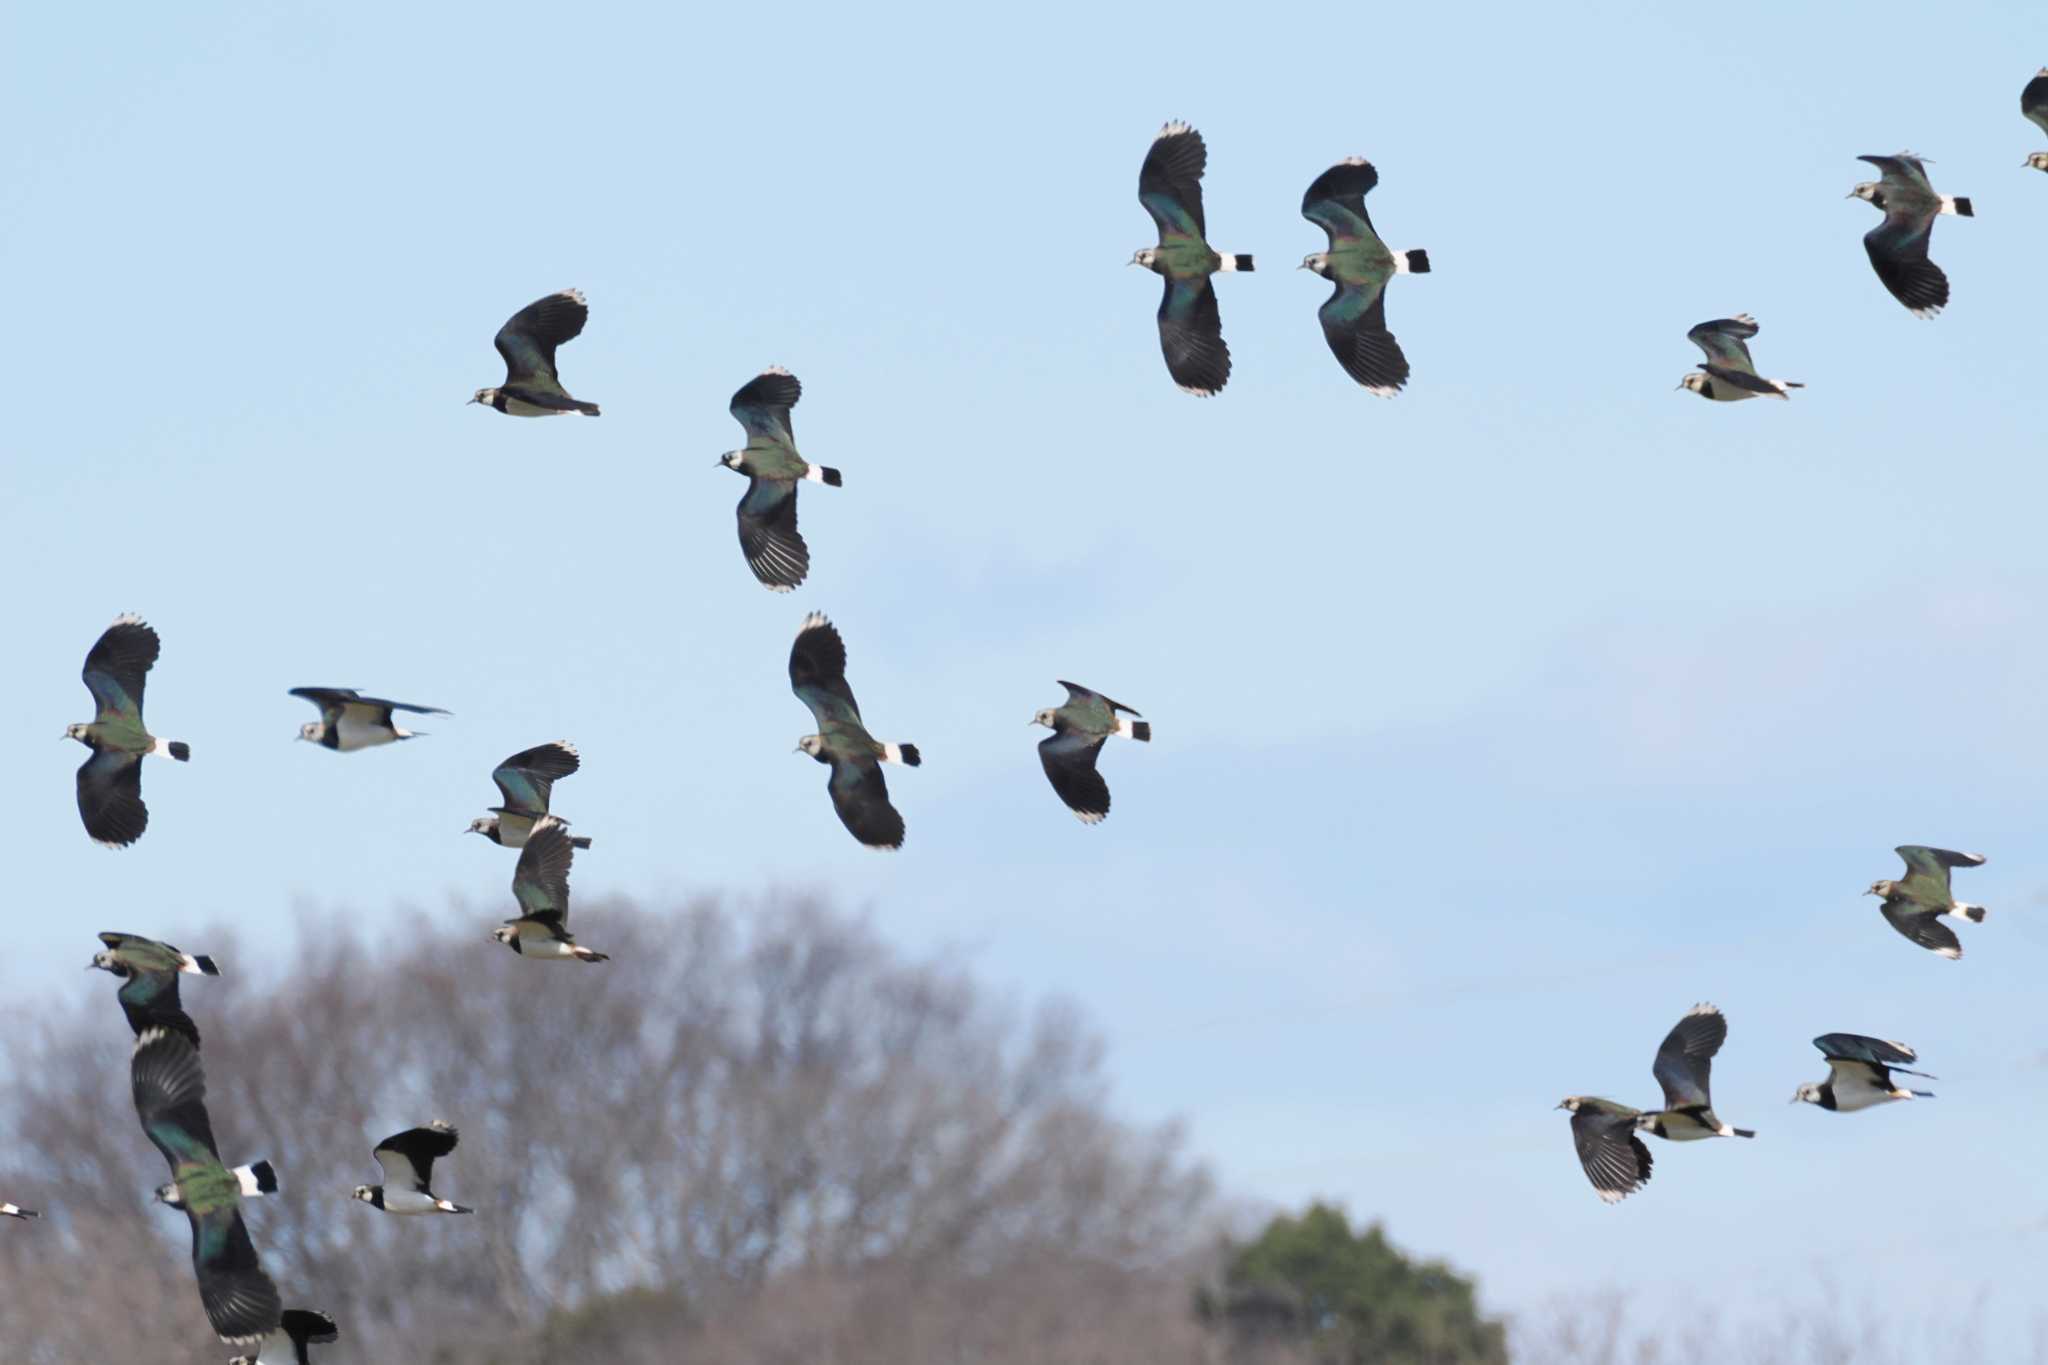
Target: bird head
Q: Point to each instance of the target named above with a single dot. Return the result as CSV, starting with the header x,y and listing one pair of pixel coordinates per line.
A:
x,y
107,962
1880,888
168,1194
1694,382
366,1193
2039,161
1571,1102
1808,1092
78,732
508,935
488,397
1146,256
1318,261
486,825
814,745
1044,718
731,458
1868,190
313,730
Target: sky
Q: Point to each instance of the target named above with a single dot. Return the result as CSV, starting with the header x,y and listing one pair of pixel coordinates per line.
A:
x,y
1495,724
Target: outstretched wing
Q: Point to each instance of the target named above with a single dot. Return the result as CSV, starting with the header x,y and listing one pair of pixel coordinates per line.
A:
x,y
529,338
2034,100
773,547
1170,182
762,405
110,798
1191,336
150,999
861,797
1921,924
540,881
1685,1058
1078,695
1335,202
1904,176
1856,1047
169,1088
1354,320
116,668
241,1301
817,673
1927,869
527,779
1725,342
408,1157
1615,1159
1069,761
1898,253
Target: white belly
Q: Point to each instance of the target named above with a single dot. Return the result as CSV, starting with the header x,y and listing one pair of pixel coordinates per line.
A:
x,y
513,829
353,732
406,1201
1851,1095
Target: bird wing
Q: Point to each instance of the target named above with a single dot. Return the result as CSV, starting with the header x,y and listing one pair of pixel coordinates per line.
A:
x,y
540,881
149,999
1685,1058
1191,336
1904,175
817,674
408,1157
1857,1047
1921,924
1616,1161
527,779
2034,100
861,796
1897,248
1069,760
1170,182
116,668
1724,341
241,1301
1335,202
1926,879
529,337
378,710
110,797
773,547
330,700
1354,320
762,406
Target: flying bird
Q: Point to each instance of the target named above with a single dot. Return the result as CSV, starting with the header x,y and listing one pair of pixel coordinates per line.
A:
x,y
170,1098
1860,1073
1916,903
253,1181
110,782
1684,1061
299,1328
1604,1132
1190,326
525,780
1728,375
533,387
540,883
1354,317
408,1161
1079,730
1898,245
350,721
774,549
149,986
2034,104
817,674
17,1211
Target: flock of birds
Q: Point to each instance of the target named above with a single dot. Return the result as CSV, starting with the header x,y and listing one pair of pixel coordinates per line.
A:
x,y
242,1302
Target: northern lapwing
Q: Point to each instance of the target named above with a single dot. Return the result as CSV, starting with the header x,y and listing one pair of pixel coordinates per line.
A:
x,y
1916,903
817,674
1898,245
1190,326
540,883
110,782
170,1098
1079,730
17,1211
350,721
1684,1061
1604,1132
525,780
253,1181
1354,317
408,1161
300,1328
1728,375
2034,104
149,985
1860,1073
774,549
533,387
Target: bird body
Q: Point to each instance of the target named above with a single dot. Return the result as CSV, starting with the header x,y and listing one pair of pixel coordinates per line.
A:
x,y
1684,1063
1916,904
110,782
1897,247
1190,324
1860,1073
526,781
408,1161
769,539
149,986
1728,375
860,795
527,341
1079,730
1354,317
1604,1134
253,1181
350,721
540,883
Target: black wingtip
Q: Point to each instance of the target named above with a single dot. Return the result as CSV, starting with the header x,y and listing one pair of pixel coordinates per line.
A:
x,y
1142,730
1745,1132
179,750
1418,262
1245,262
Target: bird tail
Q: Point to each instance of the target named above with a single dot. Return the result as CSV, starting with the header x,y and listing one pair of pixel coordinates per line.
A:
x,y
1973,913
579,841
176,748
445,1207
1235,263
1743,1132
584,954
1414,262
1958,205
906,754
16,1211
1134,729
1914,1094
198,964
258,1178
824,474
588,410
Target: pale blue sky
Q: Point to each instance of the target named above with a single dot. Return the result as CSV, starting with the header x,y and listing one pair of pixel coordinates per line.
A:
x,y
1496,724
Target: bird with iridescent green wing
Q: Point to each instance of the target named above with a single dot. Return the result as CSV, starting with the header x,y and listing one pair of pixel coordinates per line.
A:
x,y
527,341
1684,1066
817,674
149,973
1079,730
1728,375
1897,247
773,547
1916,903
540,883
1354,317
169,1087
110,782
526,781
1190,324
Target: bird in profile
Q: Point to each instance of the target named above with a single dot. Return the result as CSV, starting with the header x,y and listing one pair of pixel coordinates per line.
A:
x,y
1684,1061
1190,325
817,674
149,987
350,721
1604,1132
1728,375
533,387
525,781
2034,104
408,1161
17,1211
170,1099
1898,245
1079,730
1860,1073
540,883
1916,904
110,782
1354,317
774,549
299,1328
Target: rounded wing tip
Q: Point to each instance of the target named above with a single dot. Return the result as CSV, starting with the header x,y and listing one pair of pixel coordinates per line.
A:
x,y
575,296
1174,128
817,620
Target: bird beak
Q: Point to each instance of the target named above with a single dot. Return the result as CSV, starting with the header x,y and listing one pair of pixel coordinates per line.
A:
x,y
1302,266
473,400
798,749
1850,195
1681,384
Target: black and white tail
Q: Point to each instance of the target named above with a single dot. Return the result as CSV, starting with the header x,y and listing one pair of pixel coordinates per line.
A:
x,y
257,1178
1236,263
579,841
1743,1132
1973,913
1134,729
906,754
1414,262
176,748
1958,205
824,474
16,1211
198,964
